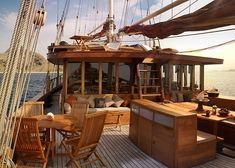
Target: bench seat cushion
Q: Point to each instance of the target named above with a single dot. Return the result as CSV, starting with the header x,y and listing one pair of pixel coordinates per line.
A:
x,y
109,109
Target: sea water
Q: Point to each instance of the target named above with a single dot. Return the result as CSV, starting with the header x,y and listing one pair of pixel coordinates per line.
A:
x,y
36,84
224,81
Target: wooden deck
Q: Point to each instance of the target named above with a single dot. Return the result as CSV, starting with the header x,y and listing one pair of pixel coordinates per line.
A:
x,y
119,152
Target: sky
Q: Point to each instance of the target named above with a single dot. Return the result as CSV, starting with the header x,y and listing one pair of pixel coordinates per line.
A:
x,y
94,12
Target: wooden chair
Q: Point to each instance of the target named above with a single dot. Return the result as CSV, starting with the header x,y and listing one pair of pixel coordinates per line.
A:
x,y
29,147
85,145
78,111
33,108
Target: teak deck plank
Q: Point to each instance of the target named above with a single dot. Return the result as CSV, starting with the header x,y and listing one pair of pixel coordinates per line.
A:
x,y
118,152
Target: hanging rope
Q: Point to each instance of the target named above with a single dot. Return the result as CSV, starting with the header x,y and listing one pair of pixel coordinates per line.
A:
x,y
19,64
61,24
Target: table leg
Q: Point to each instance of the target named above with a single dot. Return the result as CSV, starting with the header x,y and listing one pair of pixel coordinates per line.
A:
x,y
53,139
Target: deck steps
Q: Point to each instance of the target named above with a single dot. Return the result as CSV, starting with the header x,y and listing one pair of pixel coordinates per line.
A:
x,y
149,80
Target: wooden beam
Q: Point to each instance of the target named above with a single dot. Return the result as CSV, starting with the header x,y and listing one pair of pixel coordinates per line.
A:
x,y
100,78
192,78
83,78
202,77
117,69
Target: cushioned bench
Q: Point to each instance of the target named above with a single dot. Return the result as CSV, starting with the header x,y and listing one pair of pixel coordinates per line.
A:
x,y
116,115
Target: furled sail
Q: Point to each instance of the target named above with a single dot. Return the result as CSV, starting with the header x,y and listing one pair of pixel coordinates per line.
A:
x,y
218,13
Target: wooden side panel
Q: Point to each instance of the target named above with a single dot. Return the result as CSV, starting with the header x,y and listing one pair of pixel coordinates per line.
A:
x,y
133,129
163,148
186,132
144,135
226,131
204,152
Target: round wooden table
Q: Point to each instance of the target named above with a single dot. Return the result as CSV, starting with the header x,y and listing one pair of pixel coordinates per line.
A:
x,y
60,121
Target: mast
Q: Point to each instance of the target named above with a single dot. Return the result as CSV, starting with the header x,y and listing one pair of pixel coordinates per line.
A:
x,y
111,22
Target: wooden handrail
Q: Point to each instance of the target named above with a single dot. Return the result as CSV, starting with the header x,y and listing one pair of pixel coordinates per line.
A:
x,y
52,84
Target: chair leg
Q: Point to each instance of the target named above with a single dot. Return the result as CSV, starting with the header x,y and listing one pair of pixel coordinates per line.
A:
x,y
71,156
100,159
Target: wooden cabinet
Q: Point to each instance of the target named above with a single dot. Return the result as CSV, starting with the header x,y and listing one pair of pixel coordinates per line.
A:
x,y
169,135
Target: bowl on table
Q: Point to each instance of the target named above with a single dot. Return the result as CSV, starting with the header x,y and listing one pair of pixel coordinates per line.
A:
x,y
223,112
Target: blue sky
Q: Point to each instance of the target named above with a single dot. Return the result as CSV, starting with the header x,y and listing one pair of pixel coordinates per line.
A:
x,y
94,12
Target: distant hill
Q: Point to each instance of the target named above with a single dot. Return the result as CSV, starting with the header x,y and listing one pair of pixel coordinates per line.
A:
x,y
40,63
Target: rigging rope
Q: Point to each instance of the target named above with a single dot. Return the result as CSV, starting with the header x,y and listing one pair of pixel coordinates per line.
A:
x,y
210,47
17,72
61,24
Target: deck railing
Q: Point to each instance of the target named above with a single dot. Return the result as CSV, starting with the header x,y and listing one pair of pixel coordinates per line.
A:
x,y
52,84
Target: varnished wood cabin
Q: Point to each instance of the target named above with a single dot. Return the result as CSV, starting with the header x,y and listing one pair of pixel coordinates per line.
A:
x,y
171,135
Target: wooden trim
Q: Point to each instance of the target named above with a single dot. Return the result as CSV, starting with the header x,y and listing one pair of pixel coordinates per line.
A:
x,y
202,77
83,78
117,69
100,78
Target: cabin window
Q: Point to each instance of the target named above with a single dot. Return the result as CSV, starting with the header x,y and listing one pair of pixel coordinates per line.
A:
x,y
165,76
91,78
108,78
124,78
74,78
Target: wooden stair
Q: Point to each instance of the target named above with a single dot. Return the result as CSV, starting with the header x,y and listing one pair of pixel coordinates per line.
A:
x,y
149,80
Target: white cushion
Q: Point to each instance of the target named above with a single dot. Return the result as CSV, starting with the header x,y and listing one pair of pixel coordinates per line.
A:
x,y
108,101
109,109
67,108
118,101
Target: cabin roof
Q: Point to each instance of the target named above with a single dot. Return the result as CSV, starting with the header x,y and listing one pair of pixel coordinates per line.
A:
x,y
126,55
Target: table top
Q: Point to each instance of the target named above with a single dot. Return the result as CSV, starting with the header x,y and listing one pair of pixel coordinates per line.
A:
x,y
190,107
60,121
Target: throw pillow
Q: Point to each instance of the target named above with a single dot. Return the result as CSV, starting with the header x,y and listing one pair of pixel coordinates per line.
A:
x,y
71,99
91,101
81,99
67,108
118,101
99,102
126,102
108,101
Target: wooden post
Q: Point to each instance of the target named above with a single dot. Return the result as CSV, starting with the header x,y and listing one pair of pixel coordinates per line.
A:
x,y
181,78
83,78
201,77
65,85
192,78
170,75
58,76
100,78
117,77
145,78
110,76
